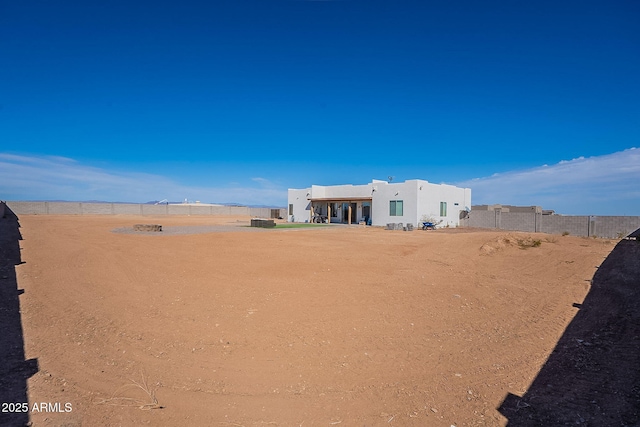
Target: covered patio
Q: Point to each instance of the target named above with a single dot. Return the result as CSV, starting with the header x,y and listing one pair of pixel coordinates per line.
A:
x,y
350,210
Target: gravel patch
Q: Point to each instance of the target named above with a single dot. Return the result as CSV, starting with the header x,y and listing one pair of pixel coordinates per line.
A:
x,y
177,230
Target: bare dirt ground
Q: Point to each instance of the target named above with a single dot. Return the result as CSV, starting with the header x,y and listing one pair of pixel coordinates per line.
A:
x,y
347,326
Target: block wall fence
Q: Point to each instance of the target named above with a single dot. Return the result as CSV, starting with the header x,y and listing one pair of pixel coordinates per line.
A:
x,y
79,208
587,226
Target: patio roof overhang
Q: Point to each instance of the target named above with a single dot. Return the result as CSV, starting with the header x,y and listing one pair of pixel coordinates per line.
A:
x,y
341,199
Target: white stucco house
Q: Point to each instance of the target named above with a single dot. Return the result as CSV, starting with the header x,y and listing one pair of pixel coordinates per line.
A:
x,y
380,203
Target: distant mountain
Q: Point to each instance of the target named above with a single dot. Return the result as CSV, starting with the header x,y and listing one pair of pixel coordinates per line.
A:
x,y
153,202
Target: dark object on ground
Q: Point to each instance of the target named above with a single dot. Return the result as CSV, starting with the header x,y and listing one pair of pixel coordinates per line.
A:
x,y
264,223
147,227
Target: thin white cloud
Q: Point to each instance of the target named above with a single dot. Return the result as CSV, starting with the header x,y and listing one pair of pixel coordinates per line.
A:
x,y
58,178
264,183
600,185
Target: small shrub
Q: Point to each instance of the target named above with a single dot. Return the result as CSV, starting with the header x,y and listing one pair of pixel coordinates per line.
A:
x,y
565,233
529,243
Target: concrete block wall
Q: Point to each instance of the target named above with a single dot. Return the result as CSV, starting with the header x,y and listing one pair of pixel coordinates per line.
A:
x,y
71,208
616,226
559,224
175,209
482,219
222,210
519,221
198,210
260,212
96,208
154,209
27,208
78,208
126,209
587,226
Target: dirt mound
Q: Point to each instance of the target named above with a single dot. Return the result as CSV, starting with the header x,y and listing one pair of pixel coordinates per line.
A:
x,y
521,241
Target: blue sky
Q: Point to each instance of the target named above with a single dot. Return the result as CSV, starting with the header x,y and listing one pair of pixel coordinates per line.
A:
x,y
236,101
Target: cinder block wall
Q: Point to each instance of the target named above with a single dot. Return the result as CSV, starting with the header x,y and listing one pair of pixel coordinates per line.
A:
x,y
127,209
482,219
587,226
519,221
557,224
77,208
96,208
70,208
28,208
615,226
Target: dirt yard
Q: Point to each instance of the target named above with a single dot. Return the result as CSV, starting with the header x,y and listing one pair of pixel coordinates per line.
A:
x,y
329,326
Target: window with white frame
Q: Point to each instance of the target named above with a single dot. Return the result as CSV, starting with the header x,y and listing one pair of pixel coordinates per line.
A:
x,y
443,208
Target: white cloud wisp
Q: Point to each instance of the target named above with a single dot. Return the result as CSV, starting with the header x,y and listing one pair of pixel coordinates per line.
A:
x,y
59,178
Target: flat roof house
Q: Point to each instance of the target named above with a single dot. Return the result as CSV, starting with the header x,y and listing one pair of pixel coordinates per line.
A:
x,y
380,203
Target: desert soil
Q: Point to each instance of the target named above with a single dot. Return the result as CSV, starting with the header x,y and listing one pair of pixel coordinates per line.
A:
x,y
337,325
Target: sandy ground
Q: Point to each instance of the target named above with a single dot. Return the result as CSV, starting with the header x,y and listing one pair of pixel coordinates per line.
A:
x,y
339,325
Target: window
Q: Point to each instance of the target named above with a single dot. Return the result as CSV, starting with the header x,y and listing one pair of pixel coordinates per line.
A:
x,y
395,208
290,208
443,208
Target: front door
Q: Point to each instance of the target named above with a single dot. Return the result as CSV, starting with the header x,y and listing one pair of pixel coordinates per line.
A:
x,y
354,213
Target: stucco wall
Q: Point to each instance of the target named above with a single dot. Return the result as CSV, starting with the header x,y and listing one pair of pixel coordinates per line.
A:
x,y
340,191
431,195
301,209
384,193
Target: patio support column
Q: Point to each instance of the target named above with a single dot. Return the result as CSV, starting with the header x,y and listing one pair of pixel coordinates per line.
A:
x,y
328,213
311,214
349,213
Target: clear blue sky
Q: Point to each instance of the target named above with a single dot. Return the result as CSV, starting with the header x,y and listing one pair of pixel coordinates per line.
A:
x,y
239,100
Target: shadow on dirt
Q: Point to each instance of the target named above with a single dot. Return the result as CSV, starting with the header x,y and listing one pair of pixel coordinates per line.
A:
x,y
14,369
592,377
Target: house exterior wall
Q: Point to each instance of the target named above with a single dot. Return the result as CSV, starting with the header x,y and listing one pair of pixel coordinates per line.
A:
x,y
340,191
301,205
382,196
419,198
431,195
